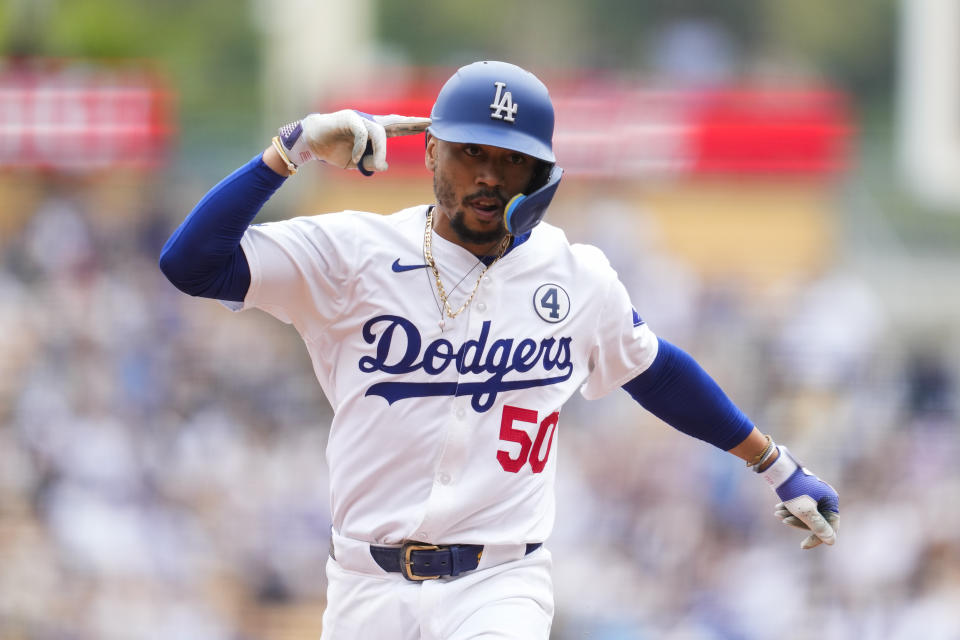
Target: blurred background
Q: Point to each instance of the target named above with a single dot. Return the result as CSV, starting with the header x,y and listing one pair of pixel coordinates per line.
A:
x,y
778,184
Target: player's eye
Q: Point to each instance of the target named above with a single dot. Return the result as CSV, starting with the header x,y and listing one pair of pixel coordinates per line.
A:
x,y
471,150
517,158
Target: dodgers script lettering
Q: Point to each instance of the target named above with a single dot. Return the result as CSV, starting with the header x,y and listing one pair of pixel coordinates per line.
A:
x,y
500,358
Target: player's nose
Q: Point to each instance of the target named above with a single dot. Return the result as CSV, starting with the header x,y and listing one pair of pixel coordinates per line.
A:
x,y
489,174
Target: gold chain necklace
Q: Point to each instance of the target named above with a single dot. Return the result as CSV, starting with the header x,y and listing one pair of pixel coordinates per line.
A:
x,y
444,296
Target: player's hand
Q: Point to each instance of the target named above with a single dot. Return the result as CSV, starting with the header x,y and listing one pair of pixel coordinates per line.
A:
x,y
347,139
807,501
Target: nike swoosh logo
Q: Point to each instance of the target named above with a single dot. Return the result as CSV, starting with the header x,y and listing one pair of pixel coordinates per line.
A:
x,y
400,268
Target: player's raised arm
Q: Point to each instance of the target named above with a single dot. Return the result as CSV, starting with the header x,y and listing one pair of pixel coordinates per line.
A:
x,y
203,256
678,391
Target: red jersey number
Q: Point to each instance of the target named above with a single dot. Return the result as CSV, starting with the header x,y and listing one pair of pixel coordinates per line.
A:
x,y
529,451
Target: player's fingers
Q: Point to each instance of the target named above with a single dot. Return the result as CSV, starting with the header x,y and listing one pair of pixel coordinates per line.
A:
x,y
805,509
781,512
810,542
821,528
833,519
378,138
396,125
358,128
793,521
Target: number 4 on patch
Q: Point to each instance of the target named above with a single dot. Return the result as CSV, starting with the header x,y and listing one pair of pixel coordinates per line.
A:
x,y
551,303
534,451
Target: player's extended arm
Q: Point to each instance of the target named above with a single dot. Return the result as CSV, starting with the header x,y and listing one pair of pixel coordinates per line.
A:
x,y
678,391
203,257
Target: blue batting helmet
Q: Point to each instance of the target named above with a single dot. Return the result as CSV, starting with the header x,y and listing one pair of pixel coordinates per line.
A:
x,y
497,104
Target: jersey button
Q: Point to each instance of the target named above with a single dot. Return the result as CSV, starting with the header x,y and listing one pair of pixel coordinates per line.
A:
x,y
487,281
481,307
461,412
445,478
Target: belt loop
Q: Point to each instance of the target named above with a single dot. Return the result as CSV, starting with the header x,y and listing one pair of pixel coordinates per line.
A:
x,y
455,561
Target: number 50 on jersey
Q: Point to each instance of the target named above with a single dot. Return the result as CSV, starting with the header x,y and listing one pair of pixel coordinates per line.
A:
x,y
533,451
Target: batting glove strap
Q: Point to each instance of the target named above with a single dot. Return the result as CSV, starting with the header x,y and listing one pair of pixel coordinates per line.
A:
x,y
293,146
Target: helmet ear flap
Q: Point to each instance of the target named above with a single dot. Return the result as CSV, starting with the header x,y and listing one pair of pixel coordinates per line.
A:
x,y
524,212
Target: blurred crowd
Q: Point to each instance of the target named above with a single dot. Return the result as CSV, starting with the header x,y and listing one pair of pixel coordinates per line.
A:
x,y
161,462
162,470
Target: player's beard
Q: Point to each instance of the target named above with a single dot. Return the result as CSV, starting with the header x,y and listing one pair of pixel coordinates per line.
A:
x,y
447,199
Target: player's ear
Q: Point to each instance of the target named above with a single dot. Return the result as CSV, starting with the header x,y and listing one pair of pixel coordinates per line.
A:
x,y
430,154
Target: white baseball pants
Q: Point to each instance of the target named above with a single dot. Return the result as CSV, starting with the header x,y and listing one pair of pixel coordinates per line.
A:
x,y
512,600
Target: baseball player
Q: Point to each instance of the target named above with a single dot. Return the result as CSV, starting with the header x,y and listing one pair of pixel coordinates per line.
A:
x,y
447,337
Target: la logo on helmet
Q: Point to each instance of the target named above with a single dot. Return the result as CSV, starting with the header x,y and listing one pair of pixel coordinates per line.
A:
x,y
503,102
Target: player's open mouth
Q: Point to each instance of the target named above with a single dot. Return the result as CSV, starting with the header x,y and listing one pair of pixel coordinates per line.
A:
x,y
487,209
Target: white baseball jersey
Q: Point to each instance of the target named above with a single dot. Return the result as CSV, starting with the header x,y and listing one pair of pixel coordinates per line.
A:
x,y
444,435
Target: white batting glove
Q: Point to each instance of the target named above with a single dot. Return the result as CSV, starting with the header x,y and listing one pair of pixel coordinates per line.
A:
x,y
347,139
808,502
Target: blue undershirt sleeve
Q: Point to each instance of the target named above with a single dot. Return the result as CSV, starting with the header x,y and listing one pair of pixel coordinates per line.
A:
x,y
678,391
203,257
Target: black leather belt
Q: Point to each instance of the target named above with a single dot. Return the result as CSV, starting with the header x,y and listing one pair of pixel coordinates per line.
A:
x,y
420,561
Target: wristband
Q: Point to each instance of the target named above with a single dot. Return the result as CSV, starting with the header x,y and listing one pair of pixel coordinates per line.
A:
x,y
292,168
784,467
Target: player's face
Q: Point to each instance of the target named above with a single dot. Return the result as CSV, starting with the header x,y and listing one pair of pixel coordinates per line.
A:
x,y
472,184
